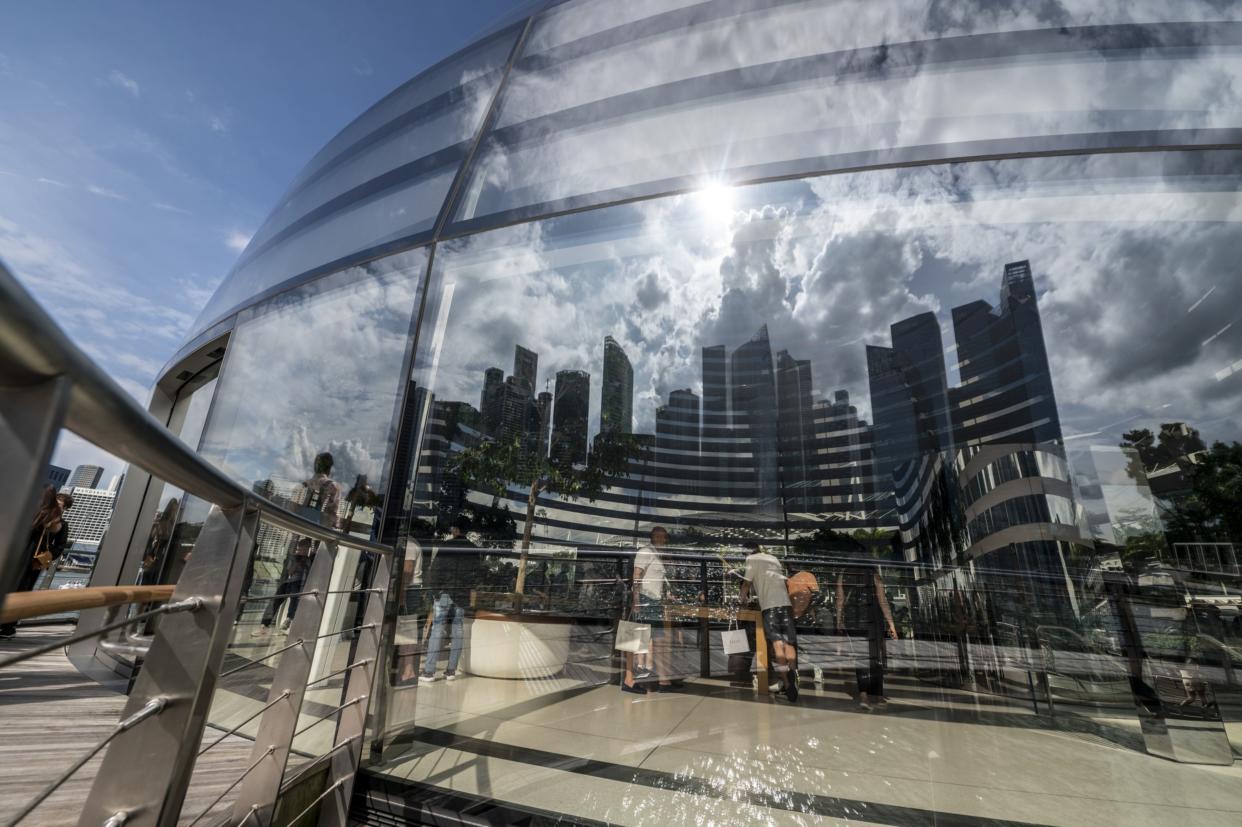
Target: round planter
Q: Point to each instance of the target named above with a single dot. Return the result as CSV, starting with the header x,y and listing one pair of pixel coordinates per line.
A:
x,y
506,646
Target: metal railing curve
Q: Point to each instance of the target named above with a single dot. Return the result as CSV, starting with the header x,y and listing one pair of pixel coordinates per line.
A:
x,y
47,383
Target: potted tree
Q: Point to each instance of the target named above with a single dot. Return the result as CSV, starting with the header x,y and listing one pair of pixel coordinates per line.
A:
x,y
509,639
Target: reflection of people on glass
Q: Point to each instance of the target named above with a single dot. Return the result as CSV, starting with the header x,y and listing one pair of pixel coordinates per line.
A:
x,y
45,542
449,579
649,585
292,584
317,499
158,542
879,622
765,577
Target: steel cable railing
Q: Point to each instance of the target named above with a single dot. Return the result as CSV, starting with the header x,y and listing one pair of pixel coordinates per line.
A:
x,y
153,707
188,605
50,384
270,749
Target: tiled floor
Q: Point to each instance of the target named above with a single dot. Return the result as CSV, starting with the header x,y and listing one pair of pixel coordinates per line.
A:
x,y
716,755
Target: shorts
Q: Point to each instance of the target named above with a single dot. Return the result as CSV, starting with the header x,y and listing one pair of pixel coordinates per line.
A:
x,y
778,624
648,610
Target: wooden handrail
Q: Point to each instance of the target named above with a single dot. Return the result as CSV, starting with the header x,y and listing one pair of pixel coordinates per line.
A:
x,y
26,605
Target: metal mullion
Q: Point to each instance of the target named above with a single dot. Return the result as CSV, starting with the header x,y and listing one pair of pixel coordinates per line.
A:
x,y
359,684
257,797
183,668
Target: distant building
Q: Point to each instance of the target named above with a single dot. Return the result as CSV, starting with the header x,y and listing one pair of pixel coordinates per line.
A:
x,y
84,476
91,512
57,477
525,368
570,406
616,407
116,482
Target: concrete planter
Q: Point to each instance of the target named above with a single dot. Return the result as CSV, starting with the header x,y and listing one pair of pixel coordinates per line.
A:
x,y
516,646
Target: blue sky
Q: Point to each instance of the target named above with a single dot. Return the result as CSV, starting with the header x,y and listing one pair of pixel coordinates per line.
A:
x,y
141,144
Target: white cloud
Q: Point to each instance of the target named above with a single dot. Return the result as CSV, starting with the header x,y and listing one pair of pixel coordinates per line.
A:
x,y
160,205
104,193
362,68
123,81
237,240
217,124
52,181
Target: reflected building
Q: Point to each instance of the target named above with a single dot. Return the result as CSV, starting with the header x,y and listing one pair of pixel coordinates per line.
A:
x,y
570,408
616,406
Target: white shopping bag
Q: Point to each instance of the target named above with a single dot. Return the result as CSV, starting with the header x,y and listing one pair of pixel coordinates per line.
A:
x,y
633,637
734,642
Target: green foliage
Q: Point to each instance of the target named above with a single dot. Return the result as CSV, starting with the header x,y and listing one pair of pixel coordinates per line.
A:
x,y
494,465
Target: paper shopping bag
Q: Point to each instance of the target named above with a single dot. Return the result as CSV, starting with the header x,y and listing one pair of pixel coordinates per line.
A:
x,y
633,637
734,641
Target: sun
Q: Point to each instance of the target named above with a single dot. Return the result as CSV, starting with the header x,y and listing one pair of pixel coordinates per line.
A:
x,y
716,201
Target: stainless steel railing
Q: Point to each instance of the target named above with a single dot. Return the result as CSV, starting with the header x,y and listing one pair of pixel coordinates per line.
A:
x,y
47,383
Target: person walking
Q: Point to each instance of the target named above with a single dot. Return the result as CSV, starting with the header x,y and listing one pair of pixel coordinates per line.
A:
x,y
765,577
450,578
45,543
318,499
649,584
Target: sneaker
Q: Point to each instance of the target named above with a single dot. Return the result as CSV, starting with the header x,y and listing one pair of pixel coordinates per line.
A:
x,y
262,631
451,676
428,678
776,687
643,674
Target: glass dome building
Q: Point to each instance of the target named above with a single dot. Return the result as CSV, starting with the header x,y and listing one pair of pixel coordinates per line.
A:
x,y
936,301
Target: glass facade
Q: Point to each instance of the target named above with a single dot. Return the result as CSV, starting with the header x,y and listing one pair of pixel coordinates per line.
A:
x,y
785,413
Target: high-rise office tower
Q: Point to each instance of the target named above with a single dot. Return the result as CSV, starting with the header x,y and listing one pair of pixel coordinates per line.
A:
x,y
490,402
525,367
571,406
90,515
752,403
84,476
616,410
1006,385
57,477
795,430
543,405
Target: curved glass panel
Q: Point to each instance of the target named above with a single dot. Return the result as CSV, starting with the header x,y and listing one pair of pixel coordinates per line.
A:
x,y
738,91
383,178
967,429
305,416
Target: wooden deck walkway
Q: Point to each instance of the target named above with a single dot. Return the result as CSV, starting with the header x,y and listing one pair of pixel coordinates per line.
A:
x,y
50,714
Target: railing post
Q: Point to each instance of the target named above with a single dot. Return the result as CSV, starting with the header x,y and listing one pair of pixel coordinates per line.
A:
x,y
147,769
276,727
351,726
30,419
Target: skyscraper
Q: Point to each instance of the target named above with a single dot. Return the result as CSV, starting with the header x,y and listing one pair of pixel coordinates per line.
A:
x,y
795,429
525,368
490,402
571,406
616,410
1006,385
752,403
57,476
84,476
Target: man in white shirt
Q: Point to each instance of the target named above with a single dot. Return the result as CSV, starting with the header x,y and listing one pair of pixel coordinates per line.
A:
x,y
647,600
765,577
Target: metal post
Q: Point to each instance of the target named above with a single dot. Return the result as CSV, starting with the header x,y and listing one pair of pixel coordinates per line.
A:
x,y
147,769
30,419
276,727
361,681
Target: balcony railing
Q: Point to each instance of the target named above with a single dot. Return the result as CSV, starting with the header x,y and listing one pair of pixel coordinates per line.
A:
x,y
47,383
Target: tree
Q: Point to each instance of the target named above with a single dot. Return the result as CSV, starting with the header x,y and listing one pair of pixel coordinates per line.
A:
x,y
494,465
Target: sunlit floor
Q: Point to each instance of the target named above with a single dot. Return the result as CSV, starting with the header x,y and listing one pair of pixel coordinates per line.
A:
x,y
713,754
